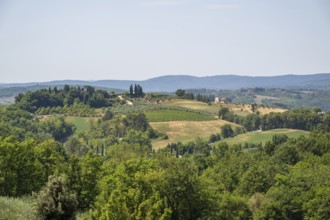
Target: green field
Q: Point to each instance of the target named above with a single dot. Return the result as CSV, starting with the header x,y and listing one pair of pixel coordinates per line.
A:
x,y
263,136
82,123
174,115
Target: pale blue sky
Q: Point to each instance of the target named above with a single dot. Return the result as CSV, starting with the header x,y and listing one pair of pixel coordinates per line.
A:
x,y
139,39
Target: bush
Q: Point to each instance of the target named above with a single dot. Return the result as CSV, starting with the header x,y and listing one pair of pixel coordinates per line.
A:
x,y
55,201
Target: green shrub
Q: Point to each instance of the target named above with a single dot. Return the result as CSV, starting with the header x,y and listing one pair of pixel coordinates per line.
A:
x,y
55,201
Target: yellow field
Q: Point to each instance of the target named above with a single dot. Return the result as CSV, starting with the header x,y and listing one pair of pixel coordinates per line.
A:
x,y
185,131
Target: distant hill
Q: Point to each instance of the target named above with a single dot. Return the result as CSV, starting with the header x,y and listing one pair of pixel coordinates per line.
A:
x,y
172,82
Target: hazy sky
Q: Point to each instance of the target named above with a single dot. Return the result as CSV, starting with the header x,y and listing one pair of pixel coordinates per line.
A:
x,y
139,39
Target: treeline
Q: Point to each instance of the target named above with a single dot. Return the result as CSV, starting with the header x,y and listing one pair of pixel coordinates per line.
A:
x,y
190,96
284,98
303,119
77,109
68,96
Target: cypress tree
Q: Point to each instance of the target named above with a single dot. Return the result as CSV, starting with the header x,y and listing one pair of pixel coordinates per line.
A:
x,y
131,91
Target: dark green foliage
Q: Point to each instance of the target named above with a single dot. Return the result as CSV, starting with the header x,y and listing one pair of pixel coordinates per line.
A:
x,y
180,92
56,201
57,127
227,131
191,148
137,121
136,91
184,95
68,96
214,137
223,113
203,98
188,96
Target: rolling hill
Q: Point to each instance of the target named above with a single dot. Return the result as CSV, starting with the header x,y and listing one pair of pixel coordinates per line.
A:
x,y
170,83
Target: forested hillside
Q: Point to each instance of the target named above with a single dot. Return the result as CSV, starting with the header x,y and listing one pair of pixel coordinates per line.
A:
x,y
111,170
283,98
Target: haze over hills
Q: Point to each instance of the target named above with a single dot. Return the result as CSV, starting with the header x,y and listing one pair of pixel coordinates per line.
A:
x,y
170,83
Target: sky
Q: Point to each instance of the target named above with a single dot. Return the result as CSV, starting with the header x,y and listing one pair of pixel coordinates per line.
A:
x,y
140,39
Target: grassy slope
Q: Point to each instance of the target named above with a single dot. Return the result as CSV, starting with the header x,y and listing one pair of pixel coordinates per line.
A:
x,y
264,136
16,208
174,115
82,123
185,131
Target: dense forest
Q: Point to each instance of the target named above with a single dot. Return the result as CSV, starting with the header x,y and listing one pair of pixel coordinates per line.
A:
x,y
112,172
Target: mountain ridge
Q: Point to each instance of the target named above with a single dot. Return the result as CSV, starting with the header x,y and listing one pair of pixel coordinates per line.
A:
x,y
169,83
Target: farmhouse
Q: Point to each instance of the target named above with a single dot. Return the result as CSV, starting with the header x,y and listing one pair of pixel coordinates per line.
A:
x,y
222,100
